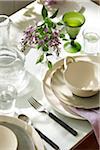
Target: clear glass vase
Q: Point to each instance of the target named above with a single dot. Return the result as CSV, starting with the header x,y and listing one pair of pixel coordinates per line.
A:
x,y
4,30
12,70
12,61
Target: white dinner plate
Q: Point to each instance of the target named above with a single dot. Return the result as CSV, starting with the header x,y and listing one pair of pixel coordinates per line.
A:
x,y
27,137
49,94
64,94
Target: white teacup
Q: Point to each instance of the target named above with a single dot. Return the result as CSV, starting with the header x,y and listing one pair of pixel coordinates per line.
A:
x,y
82,77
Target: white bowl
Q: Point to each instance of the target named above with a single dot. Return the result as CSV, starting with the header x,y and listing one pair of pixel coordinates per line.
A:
x,y
8,140
82,78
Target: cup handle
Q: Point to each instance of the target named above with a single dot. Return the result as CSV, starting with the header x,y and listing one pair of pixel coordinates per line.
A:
x,y
67,61
82,10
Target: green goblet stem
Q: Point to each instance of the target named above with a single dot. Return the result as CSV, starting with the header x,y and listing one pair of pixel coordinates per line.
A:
x,y
72,42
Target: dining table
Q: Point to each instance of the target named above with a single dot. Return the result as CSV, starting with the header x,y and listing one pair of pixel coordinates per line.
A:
x,y
20,21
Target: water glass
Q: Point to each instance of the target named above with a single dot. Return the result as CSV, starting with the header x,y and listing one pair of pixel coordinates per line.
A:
x,y
8,96
91,37
4,29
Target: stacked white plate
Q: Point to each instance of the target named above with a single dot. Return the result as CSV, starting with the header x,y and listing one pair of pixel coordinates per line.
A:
x,y
60,96
17,135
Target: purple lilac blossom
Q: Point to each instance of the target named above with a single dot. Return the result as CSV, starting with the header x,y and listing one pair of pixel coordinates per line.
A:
x,y
46,29
50,2
32,38
41,42
46,38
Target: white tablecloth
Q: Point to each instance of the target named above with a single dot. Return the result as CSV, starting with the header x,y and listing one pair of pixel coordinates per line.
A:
x,y
54,131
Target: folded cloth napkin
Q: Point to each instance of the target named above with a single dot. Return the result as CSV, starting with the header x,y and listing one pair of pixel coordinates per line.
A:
x,y
93,116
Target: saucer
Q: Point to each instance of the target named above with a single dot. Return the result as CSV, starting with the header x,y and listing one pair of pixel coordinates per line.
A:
x,y
49,94
27,137
64,94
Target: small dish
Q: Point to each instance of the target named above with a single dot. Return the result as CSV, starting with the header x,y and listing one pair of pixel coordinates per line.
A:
x,y
27,137
82,77
8,140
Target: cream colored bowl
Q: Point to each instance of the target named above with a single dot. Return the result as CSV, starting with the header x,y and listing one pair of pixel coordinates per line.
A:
x,y
82,78
8,140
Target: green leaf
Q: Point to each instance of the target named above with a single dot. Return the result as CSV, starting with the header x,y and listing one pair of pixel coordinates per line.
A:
x,y
38,46
40,29
49,23
45,48
49,64
44,12
65,39
60,23
62,35
40,59
54,25
55,14
48,54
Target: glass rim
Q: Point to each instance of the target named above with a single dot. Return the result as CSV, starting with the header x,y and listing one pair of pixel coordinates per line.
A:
x,y
83,18
2,23
11,51
8,87
90,30
87,32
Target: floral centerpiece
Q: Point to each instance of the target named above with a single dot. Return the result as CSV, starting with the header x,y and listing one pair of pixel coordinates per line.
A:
x,y
44,37
49,2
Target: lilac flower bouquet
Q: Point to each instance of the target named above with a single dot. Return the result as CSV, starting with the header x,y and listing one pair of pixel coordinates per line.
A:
x,y
44,37
50,2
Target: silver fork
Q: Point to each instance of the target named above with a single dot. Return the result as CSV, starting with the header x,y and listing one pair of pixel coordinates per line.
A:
x,y
40,108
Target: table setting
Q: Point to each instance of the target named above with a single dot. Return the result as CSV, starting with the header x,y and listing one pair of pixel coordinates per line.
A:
x,y
55,86
49,77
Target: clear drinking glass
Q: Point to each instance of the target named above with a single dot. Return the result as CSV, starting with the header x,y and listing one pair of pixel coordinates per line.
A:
x,y
4,29
8,96
91,37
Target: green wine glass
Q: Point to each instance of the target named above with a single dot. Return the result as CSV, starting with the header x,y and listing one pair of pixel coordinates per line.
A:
x,y
73,22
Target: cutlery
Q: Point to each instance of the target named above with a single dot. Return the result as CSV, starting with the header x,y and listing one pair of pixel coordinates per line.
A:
x,y
27,119
40,108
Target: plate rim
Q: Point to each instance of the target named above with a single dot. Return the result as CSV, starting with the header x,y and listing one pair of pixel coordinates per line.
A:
x,y
31,131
